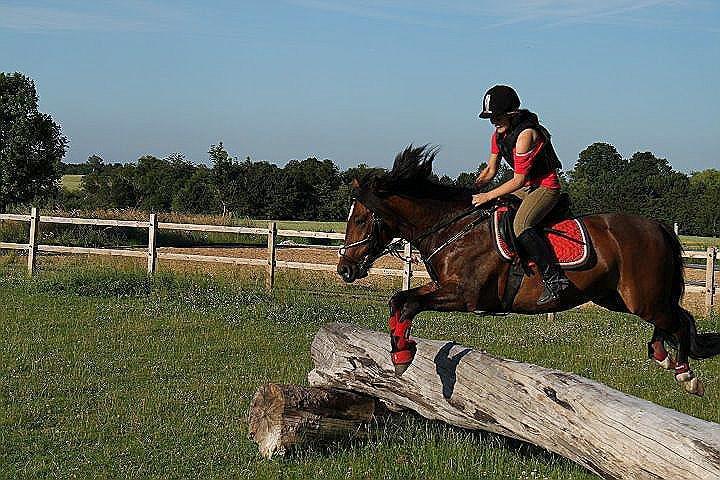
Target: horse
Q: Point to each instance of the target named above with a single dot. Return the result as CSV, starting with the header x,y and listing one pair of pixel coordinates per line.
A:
x,y
637,263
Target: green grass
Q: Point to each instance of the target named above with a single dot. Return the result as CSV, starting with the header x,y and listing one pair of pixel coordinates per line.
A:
x,y
71,183
303,225
108,373
691,242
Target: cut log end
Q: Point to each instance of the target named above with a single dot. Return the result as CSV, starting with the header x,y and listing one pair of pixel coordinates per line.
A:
x,y
282,417
265,419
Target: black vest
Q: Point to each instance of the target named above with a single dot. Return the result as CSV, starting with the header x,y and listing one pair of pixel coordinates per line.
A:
x,y
546,160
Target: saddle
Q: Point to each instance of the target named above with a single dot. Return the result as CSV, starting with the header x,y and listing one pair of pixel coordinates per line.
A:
x,y
566,235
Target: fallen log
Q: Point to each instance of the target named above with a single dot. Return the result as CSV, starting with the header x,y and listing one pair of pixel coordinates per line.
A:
x,y
608,432
282,417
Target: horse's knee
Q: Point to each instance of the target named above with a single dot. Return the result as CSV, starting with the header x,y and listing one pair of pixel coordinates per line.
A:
x,y
396,303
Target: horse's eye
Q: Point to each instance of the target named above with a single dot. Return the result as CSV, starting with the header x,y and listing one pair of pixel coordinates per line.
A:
x,y
359,220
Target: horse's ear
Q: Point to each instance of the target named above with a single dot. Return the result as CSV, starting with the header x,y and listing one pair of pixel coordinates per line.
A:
x,y
355,184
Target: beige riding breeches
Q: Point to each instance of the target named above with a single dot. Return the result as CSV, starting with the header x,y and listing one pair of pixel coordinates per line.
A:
x,y
536,204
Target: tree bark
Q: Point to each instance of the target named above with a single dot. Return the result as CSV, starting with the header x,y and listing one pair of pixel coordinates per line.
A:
x,y
283,417
608,432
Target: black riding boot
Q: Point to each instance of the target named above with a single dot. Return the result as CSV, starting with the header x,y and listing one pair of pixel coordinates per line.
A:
x,y
535,248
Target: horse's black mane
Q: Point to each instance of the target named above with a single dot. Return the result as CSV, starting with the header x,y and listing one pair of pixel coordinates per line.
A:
x,y
411,176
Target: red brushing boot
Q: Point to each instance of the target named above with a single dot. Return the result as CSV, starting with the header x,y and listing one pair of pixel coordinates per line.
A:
x,y
403,349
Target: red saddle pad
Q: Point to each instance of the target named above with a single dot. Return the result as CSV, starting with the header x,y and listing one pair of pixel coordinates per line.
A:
x,y
568,239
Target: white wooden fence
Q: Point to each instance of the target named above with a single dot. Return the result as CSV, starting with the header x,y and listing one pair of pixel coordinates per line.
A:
x,y
270,263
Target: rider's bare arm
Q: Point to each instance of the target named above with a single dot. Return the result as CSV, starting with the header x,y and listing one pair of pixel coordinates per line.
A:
x,y
524,144
488,173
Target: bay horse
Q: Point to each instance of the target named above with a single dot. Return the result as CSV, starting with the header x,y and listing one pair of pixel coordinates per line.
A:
x,y
637,265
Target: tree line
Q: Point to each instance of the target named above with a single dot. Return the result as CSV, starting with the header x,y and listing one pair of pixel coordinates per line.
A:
x,y
32,147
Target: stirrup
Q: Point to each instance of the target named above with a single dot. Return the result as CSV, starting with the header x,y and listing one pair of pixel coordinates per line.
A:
x,y
552,288
548,296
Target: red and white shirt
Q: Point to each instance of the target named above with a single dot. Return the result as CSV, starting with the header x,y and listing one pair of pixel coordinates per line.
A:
x,y
523,162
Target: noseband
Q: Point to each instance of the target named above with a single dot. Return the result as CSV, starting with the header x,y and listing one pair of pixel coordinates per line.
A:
x,y
372,240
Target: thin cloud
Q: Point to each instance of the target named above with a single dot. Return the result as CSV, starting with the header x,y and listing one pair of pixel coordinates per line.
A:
x,y
130,16
547,13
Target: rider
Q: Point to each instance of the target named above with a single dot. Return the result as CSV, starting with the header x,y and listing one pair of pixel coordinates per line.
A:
x,y
526,146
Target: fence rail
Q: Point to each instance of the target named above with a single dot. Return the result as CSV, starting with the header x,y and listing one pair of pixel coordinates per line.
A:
x,y
271,262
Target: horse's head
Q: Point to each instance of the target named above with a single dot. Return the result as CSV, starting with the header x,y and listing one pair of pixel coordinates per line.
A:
x,y
366,237
402,202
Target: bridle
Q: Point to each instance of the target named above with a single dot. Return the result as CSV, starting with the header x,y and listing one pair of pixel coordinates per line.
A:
x,y
373,237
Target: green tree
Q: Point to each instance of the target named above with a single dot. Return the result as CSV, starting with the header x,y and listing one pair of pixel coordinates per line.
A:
x,y
705,198
224,170
315,184
31,144
110,186
198,194
594,184
159,180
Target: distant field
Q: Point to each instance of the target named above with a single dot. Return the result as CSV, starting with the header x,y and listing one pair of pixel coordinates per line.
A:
x,y
691,242
71,183
338,227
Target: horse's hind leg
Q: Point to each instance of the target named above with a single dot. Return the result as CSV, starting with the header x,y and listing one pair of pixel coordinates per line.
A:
x,y
656,346
657,351
683,374
669,322
676,323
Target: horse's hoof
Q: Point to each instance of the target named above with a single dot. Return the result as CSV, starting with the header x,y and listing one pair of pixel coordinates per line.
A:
x,y
695,387
692,384
668,363
400,369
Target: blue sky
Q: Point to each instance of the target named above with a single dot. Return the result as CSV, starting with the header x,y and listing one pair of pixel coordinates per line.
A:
x,y
355,81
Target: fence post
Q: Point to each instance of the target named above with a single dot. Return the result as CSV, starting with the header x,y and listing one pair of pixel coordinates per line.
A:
x,y
407,268
32,242
710,278
272,238
152,244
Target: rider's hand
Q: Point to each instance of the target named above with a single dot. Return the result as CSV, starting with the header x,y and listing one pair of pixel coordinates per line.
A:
x,y
480,198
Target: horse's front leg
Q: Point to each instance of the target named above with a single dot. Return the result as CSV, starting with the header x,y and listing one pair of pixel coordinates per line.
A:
x,y
404,306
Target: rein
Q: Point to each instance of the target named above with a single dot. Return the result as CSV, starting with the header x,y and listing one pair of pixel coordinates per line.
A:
x,y
392,247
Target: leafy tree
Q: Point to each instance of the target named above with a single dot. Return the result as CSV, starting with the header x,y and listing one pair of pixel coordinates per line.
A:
x,y
466,179
223,172
256,183
31,144
705,198
158,181
593,183
198,194
315,185
110,186
75,168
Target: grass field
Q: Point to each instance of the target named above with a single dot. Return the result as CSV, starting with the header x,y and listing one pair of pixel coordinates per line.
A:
x,y
691,242
71,183
106,373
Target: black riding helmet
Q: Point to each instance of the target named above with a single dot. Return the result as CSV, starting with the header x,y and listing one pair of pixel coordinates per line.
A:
x,y
498,100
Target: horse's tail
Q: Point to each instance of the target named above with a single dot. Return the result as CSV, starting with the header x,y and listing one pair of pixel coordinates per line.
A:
x,y
678,276
702,345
